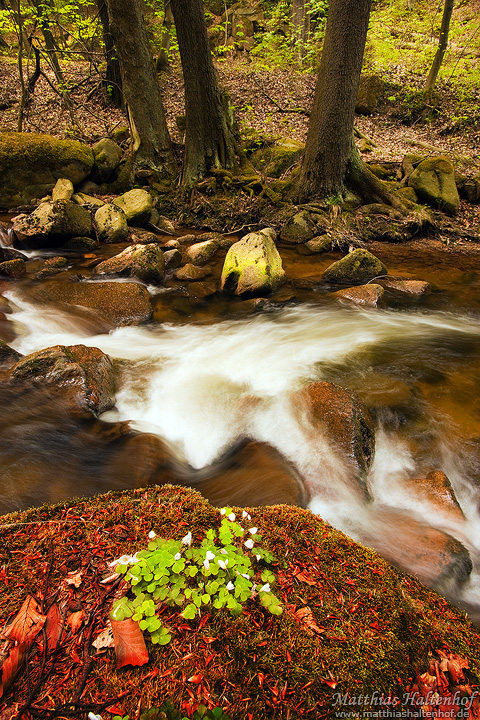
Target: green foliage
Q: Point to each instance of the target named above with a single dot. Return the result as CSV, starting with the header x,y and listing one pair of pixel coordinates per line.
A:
x,y
168,712
226,570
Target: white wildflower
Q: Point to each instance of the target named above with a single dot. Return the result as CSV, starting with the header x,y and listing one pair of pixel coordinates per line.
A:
x,y
244,514
177,556
258,557
230,586
265,588
231,517
223,511
249,543
187,540
224,552
123,560
253,531
210,555
206,564
152,534
92,716
223,564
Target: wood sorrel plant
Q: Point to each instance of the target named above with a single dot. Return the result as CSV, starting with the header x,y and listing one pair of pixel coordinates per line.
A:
x,y
226,570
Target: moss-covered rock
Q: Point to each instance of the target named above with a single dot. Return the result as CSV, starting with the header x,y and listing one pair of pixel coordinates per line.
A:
x,y
86,373
253,265
80,244
107,156
142,261
137,205
434,182
359,266
52,223
274,161
200,253
298,229
8,356
30,165
63,189
13,268
110,223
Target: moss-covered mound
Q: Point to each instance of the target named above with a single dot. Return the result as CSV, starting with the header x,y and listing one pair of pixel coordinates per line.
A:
x,y
351,625
31,164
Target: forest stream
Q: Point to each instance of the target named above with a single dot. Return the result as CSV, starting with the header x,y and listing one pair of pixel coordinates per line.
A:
x,y
221,370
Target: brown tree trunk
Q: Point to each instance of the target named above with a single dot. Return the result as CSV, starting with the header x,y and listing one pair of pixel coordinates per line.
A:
x,y
152,149
330,134
301,27
162,60
442,46
209,140
113,78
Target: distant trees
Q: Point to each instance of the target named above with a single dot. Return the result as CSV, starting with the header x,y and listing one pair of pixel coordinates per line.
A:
x,y
442,46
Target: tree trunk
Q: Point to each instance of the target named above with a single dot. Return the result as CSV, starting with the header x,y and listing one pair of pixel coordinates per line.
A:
x,y
162,60
113,78
152,149
330,134
209,140
301,27
439,55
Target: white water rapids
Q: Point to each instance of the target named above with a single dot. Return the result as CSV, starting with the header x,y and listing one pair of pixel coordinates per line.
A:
x,y
193,385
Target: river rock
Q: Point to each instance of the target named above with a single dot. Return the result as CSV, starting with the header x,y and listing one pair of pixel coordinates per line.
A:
x,y
141,460
200,253
140,236
253,470
111,224
191,272
343,419
406,289
163,224
142,261
137,206
63,189
200,290
86,373
172,258
319,244
107,156
8,356
437,490
434,182
52,223
253,265
88,201
299,229
367,295
30,165
80,244
51,266
13,268
359,266
115,303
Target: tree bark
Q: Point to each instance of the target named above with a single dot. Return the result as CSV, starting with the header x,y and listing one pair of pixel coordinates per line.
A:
x,y
329,143
442,46
209,139
152,149
113,77
162,60
301,27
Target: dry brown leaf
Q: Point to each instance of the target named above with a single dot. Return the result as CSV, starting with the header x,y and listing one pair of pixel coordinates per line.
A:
x,y
306,617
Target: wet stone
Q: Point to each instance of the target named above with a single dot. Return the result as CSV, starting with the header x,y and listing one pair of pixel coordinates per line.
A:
x,y
192,272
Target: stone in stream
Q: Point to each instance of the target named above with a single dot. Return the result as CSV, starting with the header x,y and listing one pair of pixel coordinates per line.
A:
x,y
13,268
434,182
52,223
86,374
31,164
8,356
253,265
142,261
298,229
51,266
366,295
436,489
110,223
200,253
63,189
172,258
343,420
192,272
254,470
406,289
358,267
114,303
137,205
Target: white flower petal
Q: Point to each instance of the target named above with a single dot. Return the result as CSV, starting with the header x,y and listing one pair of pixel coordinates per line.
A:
x,y
177,556
249,543
247,577
210,555
230,586
224,552
187,540
223,511
265,588
258,557
152,534
206,564
223,564
231,517
244,514
253,531
92,716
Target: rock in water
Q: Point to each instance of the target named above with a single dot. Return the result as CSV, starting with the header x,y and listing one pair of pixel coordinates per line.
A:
x,y
86,373
142,261
137,206
299,229
369,295
343,419
359,266
31,164
434,182
52,223
111,224
253,265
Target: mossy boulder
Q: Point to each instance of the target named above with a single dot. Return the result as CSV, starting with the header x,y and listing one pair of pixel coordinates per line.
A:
x,y
52,223
110,224
31,164
298,229
85,373
434,183
63,189
275,160
107,156
357,267
13,268
142,261
253,265
200,253
137,206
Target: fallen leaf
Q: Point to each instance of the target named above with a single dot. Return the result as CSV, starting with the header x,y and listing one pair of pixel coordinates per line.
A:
x,y
75,620
305,617
11,666
27,623
129,642
104,640
53,627
195,679
75,578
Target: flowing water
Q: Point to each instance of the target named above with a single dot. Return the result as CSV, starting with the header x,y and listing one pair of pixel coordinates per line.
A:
x,y
206,382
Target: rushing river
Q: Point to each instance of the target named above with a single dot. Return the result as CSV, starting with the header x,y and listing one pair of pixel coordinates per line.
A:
x,y
201,386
